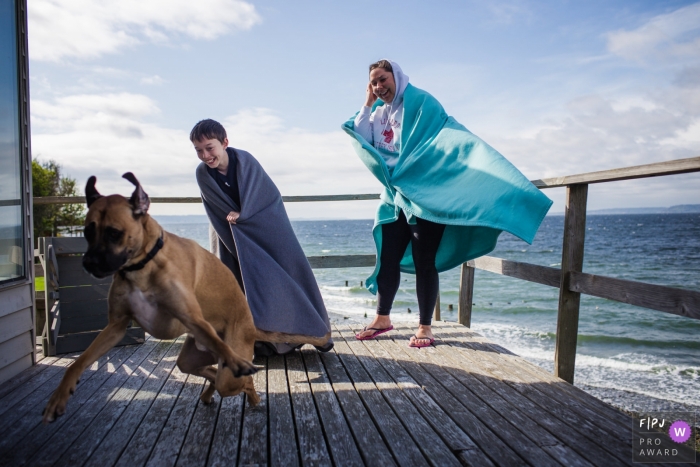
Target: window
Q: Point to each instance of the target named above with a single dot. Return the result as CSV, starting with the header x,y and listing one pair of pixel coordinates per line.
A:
x,y
12,262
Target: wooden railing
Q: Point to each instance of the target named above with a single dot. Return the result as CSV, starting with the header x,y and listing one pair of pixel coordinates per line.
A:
x,y
570,278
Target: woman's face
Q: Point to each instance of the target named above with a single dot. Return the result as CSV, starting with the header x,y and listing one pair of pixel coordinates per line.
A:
x,y
383,84
211,151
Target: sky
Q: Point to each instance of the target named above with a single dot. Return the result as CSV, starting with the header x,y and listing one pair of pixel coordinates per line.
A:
x,y
558,87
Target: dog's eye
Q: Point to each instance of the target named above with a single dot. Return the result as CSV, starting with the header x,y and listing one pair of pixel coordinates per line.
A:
x,y
113,235
89,232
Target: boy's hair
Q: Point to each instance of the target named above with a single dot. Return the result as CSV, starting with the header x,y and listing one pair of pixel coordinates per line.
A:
x,y
208,129
383,64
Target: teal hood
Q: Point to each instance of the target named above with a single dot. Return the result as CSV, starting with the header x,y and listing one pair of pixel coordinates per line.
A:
x,y
448,175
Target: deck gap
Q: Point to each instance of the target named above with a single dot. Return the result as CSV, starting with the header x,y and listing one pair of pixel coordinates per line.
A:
x,y
362,400
216,422
145,413
115,390
267,392
240,428
342,409
155,443
318,411
194,412
294,418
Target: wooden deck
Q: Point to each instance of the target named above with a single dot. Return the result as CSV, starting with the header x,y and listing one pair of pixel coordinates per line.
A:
x,y
465,401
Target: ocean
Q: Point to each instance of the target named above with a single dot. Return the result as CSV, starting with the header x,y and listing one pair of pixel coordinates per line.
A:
x,y
633,358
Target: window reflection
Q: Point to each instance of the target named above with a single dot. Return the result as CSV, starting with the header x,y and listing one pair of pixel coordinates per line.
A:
x,y
11,218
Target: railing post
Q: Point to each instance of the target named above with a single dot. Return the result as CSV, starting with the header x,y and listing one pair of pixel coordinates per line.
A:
x,y
466,294
571,260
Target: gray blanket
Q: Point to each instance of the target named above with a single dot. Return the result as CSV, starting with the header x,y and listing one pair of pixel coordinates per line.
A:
x,y
280,287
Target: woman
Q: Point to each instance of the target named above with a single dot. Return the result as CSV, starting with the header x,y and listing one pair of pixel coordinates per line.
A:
x,y
446,193
252,235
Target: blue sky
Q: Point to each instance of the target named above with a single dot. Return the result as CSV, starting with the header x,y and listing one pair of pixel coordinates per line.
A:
x,y
558,87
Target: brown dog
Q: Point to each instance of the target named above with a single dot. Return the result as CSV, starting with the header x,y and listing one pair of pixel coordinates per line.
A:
x,y
170,286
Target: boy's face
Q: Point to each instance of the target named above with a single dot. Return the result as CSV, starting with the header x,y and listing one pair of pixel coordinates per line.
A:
x,y
211,151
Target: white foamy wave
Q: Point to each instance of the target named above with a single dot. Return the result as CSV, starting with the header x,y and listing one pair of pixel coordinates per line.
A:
x,y
634,372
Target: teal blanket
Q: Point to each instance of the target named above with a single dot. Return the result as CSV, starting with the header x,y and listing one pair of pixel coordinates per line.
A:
x,y
448,175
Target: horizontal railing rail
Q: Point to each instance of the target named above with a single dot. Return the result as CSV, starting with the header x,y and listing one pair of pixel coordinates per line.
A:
x,y
570,279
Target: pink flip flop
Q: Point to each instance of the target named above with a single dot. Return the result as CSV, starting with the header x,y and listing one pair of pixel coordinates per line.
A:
x,y
372,336
420,346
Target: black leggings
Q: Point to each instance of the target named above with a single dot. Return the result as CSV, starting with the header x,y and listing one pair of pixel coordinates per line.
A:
x,y
425,238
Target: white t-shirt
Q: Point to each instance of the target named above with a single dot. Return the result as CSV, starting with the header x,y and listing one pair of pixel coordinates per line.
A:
x,y
382,129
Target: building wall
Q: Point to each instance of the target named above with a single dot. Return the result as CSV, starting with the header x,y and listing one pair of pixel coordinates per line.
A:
x,y
17,335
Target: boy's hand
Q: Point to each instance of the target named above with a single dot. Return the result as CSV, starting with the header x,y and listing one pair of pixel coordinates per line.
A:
x,y
233,217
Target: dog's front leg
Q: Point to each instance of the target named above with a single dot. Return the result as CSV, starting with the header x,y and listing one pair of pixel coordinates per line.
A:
x,y
105,340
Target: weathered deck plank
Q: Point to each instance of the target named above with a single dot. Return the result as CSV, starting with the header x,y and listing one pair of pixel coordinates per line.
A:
x,y
535,444
311,442
395,435
463,401
340,441
386,352
35,386
92,436
227,435
254,434
283,444
427,440
547,397
167,448
19,380
144,439
62,439
29,434
109,448
369,441
465,415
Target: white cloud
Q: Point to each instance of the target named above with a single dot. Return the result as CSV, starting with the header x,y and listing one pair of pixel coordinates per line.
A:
x,y
602,133
154,80
107,135
665,37
91,28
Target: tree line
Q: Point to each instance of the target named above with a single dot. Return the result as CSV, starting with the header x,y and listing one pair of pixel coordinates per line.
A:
x,y
54,220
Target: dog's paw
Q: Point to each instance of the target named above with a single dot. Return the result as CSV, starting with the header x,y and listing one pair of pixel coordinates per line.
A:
x,y
57,404
207,395
242,368
253,398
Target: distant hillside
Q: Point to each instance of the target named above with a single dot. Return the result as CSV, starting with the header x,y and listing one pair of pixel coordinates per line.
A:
x,y
678,209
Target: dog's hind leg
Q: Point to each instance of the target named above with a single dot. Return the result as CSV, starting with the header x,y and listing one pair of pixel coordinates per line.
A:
x,y
197,362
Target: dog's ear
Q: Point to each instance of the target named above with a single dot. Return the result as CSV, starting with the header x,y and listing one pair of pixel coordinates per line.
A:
x,y
139,199
91,193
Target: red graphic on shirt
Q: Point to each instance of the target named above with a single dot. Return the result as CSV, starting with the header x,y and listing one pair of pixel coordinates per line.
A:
x,y
388,135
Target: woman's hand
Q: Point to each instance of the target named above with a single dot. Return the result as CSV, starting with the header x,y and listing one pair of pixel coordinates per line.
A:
x,y
233,217
370,97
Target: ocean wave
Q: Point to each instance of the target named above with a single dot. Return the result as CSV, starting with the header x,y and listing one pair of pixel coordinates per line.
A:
x,y
602,339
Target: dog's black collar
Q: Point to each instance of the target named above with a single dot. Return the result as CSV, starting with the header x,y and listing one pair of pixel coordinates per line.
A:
x,y
140,265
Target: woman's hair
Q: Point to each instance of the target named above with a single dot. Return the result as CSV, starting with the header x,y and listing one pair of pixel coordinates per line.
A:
x,y
208,129
383,64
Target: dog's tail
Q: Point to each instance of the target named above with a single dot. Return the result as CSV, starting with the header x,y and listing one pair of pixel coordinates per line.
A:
x,y
283,337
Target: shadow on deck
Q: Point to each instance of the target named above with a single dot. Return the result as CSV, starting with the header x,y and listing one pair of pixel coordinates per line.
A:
x,y
465,401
